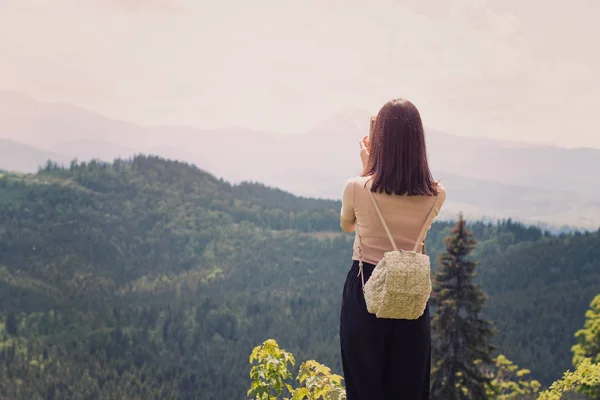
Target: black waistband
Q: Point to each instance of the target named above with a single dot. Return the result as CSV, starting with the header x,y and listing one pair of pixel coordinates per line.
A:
x,y
365,265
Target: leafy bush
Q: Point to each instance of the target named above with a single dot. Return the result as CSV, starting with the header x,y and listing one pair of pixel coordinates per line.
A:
x,y
271,376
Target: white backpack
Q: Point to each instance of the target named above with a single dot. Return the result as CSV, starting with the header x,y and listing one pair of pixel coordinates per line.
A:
x,y
400,284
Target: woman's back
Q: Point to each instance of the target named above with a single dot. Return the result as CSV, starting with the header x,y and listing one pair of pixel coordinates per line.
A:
x,y
404,215
388,358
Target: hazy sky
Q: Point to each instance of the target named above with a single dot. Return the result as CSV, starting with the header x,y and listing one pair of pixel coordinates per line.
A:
x,y
512,69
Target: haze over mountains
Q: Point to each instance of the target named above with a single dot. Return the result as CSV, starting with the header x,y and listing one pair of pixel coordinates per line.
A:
x,y
484,177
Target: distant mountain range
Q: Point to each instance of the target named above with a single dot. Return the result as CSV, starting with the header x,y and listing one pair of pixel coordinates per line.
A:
x,y
485,178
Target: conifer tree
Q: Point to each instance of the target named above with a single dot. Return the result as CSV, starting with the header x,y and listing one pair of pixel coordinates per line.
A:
x,y
461,337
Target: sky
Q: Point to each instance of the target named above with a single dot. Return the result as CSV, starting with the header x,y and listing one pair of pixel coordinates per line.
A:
x,y
506,69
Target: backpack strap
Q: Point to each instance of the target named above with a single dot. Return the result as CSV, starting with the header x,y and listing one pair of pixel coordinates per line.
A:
x,y
360,261
425,225
387,230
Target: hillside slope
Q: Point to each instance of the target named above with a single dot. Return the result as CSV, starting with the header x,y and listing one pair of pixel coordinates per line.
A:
x,y
538,292
166,276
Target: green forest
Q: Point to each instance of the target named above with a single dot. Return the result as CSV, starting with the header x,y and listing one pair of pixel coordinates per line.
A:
x,y
152,279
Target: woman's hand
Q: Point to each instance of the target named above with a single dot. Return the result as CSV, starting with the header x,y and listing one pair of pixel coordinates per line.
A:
x,y
364,151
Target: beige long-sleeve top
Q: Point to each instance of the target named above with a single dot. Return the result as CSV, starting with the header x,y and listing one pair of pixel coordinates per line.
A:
x,y
404,215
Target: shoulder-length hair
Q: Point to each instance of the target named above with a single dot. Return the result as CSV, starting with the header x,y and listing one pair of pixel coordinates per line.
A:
x,y
397,152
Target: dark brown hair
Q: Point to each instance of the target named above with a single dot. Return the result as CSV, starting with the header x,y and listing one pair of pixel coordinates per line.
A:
x,y
397,152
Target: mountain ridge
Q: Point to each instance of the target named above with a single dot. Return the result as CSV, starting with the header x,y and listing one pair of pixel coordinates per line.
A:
x,y
317,163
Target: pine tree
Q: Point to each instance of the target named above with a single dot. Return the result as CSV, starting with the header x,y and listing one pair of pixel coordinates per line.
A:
x,y
461,337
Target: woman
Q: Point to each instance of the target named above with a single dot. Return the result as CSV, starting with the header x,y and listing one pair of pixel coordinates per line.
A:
x,y
385,359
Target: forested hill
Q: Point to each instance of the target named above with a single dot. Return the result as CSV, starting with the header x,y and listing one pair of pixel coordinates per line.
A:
x,y
151,279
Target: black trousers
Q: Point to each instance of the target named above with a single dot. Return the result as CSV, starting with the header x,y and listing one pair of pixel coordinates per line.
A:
x,y
382,359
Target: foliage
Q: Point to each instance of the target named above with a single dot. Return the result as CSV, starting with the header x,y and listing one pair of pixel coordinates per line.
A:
x,y
271,376
319,383
587,375
461,337
588,338
508,382
271,373
588,343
